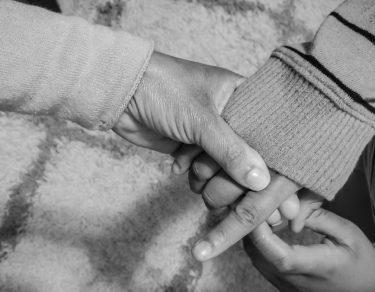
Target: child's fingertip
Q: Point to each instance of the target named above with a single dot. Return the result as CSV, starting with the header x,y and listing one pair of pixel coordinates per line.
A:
x,y
290,208
297,226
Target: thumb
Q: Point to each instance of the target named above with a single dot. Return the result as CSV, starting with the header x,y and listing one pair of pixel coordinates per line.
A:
x,y
235,156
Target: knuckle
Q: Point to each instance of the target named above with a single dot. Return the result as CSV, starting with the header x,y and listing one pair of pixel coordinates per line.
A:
x,y
209,199
234,155
317,214
201,170
284,265
196,169
354,233
193,183
352,227
247,214
332,270
220,237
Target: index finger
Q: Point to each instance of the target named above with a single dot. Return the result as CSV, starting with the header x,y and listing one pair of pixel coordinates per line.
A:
x,y
254,209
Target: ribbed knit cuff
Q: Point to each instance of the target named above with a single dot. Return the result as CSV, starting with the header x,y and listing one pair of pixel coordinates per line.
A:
x,y
302,124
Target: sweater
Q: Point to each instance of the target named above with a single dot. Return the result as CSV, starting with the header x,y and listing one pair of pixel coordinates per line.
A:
x,y
66,67
309,111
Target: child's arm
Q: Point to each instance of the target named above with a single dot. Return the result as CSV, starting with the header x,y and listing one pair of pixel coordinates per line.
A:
x,y
66,67
310,109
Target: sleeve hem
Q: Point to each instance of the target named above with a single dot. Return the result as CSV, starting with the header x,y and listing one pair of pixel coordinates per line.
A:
x,y
130,94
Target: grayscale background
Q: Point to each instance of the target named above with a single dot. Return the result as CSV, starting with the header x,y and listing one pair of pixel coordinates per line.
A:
x,y
87,211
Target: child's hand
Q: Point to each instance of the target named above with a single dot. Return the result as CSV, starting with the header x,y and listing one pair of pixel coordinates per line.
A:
x,y
343,261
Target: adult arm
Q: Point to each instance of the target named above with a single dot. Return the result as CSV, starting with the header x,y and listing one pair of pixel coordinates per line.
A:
x,y
68,68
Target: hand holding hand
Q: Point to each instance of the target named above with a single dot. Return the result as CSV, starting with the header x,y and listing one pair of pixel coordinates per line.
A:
x,y
177,103
252,209
219,190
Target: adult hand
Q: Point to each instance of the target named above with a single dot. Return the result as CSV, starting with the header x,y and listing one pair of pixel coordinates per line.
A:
x,y
343,261
178,103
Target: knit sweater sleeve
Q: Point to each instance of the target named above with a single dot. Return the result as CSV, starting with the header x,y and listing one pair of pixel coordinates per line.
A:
x,y
64,66
310,110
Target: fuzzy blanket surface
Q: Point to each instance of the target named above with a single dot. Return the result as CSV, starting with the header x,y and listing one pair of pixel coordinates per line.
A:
x,y
87,211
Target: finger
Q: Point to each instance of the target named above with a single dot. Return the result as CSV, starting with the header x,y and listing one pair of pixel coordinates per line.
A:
x,y
266,268
252,210
201,171
270,246
275,219
309,202
196,185
234,155
283,281
337,228
313,260
290,207
205,167
221,191
184,157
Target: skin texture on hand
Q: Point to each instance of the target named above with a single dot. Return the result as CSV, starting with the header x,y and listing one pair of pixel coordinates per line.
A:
x,y
176,105
343,262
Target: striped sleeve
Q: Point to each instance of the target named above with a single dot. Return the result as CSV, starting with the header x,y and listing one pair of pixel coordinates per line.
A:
x,y
310,110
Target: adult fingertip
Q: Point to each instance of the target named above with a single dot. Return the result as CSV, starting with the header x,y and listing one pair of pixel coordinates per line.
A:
x,y
258,179
202,250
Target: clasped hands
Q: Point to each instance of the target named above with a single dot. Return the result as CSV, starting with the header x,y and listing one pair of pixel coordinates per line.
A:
x,y
176,110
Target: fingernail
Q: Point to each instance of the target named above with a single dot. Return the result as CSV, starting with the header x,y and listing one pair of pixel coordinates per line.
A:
x,y
176,168
277,223
202,250
257,179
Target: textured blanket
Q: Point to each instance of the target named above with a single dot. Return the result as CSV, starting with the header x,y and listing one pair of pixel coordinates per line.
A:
x,y
87,211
